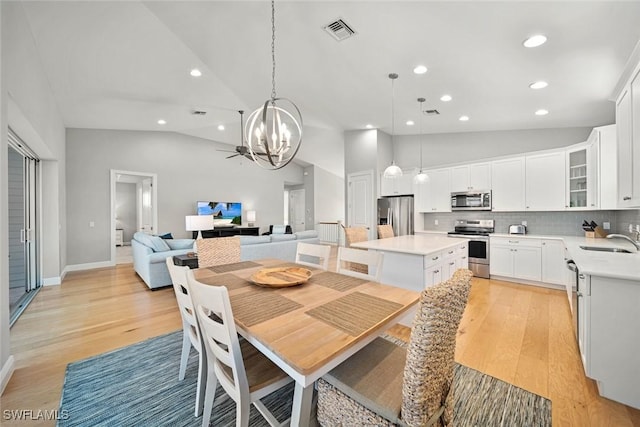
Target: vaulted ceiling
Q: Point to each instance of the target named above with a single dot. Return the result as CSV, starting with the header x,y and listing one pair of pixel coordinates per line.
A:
x,y
125,64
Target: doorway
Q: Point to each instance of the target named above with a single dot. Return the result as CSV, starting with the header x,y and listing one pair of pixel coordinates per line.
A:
x,y
297,209
133,208
23,225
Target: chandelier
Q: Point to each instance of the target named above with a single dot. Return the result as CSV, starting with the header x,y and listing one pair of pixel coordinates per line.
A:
x,y
274,130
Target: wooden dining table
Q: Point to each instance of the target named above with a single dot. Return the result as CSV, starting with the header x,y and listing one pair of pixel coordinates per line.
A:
x,y
308,329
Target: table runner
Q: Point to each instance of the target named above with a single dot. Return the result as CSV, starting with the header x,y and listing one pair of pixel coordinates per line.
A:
x,y
338,282
354,313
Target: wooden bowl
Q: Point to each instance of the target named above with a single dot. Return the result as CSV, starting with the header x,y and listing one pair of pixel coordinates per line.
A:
x,y
281,277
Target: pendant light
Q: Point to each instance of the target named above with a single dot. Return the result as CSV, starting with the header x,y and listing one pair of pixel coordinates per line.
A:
x,y
392,171
274,133
422,177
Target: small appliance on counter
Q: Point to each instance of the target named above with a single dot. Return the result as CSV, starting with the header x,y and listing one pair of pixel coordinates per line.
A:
x,y
517,229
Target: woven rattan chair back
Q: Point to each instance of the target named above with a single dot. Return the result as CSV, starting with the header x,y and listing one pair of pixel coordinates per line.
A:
x,y
385,231
354,235
218,251
427,391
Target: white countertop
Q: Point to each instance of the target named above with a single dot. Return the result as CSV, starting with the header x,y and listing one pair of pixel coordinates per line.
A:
x,y
418,244
606,264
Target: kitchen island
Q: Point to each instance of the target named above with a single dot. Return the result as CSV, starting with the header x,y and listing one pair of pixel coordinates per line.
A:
x,y
418,261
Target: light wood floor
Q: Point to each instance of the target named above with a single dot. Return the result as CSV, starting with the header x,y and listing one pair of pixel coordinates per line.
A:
x,y
517,333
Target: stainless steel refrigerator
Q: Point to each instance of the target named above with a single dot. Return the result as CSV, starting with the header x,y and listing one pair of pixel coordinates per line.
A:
x,y
397,211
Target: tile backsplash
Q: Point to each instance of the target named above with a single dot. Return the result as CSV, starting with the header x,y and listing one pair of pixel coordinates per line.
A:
x,y
549,223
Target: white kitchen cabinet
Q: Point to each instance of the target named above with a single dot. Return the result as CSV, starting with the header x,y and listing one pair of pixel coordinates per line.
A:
x,y
605,138
628,136
399,186
610,338
434,195
516,258
584,320
582,176
553,262
508,185
471,177
545,181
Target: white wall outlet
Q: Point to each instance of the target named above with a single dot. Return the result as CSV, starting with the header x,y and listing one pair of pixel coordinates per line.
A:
x,y
606,225
524,223
92,224
435,222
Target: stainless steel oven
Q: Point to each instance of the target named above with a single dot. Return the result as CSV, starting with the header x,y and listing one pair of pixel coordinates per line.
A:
x,y
477,231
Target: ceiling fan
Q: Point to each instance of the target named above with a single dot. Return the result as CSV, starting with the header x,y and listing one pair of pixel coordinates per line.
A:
x,y
242,149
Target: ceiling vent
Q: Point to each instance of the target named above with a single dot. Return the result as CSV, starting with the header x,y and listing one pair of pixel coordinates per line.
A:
x,y
198,112
431,112
339,30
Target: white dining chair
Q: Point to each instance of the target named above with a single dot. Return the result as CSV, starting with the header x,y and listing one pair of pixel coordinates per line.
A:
x,y
190,329
243,372
306,252
371,259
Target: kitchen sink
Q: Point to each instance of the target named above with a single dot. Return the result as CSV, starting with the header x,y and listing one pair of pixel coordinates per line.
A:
x,y
604,249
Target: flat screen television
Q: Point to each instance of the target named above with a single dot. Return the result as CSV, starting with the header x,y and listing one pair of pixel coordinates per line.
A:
x,y
225,214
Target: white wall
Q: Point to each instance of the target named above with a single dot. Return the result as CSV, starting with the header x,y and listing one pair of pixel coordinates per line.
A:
x,y
33,115
6,364
188,168
447,148
323,148
329,196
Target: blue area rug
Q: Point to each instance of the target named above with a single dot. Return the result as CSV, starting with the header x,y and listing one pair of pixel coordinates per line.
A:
x,y
138,386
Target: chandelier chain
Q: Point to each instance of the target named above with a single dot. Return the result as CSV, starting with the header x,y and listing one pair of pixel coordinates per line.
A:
x,y
273,50
421,110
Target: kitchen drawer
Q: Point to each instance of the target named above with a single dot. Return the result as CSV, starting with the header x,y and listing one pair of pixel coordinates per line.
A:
x,y
433,259
516,241
450,253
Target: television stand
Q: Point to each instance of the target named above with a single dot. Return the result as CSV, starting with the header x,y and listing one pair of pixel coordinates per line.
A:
x,y
228,232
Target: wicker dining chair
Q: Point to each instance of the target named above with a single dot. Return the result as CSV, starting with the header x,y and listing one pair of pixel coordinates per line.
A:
x,y
385,231
385,384
354,235
218,251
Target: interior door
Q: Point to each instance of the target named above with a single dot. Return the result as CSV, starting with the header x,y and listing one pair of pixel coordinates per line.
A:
x,y
360,211
146,208
297,209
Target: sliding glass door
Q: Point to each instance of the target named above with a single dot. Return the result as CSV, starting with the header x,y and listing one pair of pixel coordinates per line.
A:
x,y
24,275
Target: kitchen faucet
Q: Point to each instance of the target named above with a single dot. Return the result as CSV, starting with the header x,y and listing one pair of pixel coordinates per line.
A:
x,y
635,242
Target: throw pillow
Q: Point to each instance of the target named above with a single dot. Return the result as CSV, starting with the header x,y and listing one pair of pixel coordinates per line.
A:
x,y
279,229
166,236
158,244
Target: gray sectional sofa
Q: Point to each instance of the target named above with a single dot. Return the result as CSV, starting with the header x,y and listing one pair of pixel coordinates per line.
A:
x,y
150,252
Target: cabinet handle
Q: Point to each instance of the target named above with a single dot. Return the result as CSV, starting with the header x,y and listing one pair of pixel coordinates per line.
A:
x,y
527,207
452,263
544,244
436,271
626,198
579,294
464,257
514,241
566,206
581,276
592,204
450,252
435,258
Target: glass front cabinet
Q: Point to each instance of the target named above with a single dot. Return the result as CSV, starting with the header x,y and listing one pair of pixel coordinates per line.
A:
x,y
582,176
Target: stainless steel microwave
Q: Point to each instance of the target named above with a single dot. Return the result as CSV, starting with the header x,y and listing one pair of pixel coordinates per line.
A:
x,y
471,201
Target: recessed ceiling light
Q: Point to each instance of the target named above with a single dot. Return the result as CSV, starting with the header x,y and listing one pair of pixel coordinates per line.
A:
x,y
538,85
162,122
446,98
420,69
464,118
220,127
369,126
542,112
535,41
195,73
410,123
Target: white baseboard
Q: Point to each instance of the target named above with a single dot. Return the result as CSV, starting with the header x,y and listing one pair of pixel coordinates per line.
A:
x,y
6,372
51,281
87,266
